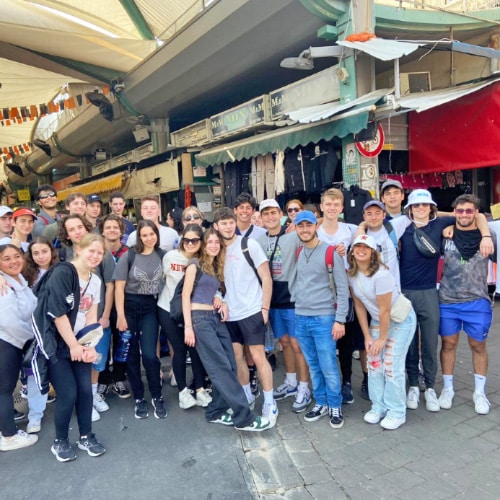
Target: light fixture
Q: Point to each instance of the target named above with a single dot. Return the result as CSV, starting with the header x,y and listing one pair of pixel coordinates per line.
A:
x,y
103,103
41,144
141,133
100,154
306,58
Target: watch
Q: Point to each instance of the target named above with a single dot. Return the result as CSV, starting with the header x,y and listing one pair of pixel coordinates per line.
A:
x,y
340,322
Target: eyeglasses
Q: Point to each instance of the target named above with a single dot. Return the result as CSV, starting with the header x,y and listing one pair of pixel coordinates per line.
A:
x,y
45,196
468,211
189,218
416,205
191,241
293,209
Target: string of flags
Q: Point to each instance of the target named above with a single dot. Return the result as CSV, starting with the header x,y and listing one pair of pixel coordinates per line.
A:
x,y
7,153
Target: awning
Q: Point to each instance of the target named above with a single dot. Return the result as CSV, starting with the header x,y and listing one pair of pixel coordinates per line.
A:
x,y
457,135
322,111
385,50
99,186
160,178
288,137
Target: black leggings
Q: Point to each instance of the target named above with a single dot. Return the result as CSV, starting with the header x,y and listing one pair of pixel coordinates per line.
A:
x,y
71,380
175,335
10,364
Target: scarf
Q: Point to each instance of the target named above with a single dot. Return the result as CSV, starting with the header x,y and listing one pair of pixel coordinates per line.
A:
x,y
467,242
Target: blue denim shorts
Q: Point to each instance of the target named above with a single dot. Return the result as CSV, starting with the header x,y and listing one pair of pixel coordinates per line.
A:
x,y
282,322
474,318
102,348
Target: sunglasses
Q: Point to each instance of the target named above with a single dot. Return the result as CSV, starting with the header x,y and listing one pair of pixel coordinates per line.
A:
x,y
45,196
468,211
191,241
289,210
189,218
416,205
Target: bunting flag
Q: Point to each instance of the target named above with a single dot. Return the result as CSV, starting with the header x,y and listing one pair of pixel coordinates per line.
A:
x,y
7,153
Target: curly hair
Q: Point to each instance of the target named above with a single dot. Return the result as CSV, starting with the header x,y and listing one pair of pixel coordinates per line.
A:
x,y
217,267
63,233
31,270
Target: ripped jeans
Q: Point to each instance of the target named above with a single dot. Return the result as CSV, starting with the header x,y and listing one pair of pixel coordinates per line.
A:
x,y
387,384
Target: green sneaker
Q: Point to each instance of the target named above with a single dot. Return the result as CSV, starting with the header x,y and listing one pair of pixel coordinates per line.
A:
x,y
224,419
258,425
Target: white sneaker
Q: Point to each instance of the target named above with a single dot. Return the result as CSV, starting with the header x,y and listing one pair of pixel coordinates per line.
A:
x,y
34,426
270,411
186,399
19,440
99,404
373,417
413,398
173,382
203,399
431,402
392,423
95,415
302,400
446,399
481,403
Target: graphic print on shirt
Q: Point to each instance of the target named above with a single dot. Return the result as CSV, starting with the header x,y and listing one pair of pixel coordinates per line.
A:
x,y
147,285
277,261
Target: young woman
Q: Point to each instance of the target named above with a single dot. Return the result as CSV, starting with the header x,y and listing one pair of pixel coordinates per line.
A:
x,y
68,296
174,264
374,291
204,315
16,307
192,215
138,283
292,208
174,219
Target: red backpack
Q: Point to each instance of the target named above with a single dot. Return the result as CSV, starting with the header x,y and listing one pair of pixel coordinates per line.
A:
x,y
330,251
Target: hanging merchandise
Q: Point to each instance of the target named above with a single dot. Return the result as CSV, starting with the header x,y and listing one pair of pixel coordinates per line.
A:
x,y
279,170
264,177
354,201
294,172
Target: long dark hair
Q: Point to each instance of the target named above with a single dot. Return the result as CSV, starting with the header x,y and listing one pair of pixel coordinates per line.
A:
x,y
217,268
31,269
139,245
192,228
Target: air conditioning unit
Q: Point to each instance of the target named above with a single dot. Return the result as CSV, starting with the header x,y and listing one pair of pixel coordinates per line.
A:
x,y
412,83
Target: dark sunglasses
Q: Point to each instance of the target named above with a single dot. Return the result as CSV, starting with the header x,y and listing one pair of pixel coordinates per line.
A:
x,y
45,196
416,205
192,217
468,211
293,210
191,241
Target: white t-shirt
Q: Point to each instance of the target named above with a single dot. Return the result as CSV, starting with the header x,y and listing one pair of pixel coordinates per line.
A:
x,y
169,239
343,236
91,295
174,266
243,290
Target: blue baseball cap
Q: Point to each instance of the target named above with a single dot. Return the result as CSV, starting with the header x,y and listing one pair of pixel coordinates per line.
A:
x,y
305,216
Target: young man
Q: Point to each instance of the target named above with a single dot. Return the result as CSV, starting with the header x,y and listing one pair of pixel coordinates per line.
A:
x,y
249,303
464,302
5,221
281,250
392,196
23,220
46,198
340,235
244,207
150,210
93,211
320,316
117,206
75,204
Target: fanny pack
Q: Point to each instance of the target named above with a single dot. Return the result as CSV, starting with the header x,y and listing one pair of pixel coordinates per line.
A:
x,y
424,243
90,335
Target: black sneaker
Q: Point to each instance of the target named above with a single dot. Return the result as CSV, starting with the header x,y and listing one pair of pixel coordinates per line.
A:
x,y
272,361
316,413
120,389
254,385
62,450
347,396
90,444
336,418
141,408
18,415
159,406
364,391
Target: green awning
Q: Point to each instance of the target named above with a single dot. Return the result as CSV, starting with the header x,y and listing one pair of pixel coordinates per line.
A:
x,y
350,122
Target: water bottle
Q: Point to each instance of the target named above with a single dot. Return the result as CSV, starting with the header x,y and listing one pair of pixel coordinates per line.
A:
x,y
121,352
374,362
269,339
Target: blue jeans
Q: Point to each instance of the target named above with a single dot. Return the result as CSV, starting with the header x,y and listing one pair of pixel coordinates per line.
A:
x,y
387,384
314,334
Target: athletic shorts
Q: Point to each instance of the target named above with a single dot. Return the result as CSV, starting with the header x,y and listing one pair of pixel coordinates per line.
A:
x,y
282,322
474,318
102,349
248,331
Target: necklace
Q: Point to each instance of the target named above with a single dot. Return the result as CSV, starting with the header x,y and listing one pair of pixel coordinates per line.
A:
x,y
308,257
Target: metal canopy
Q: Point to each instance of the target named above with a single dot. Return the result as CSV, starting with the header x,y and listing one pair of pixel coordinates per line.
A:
x,y
385,50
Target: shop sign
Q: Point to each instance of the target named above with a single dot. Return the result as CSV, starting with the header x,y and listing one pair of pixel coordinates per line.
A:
x,y
23,195
316,89
240,118
373,147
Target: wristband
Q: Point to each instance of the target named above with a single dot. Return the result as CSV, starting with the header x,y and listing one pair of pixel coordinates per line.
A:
x,y
340,323
264,309
487,236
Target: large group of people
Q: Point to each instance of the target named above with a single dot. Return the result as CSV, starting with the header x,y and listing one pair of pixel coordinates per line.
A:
x,y
88,296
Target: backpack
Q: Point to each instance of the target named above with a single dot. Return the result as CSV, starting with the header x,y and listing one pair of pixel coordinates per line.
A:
x,y
392,234
329,262
248,257
176,301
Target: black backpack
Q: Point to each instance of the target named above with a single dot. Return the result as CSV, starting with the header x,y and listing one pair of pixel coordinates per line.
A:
x,y
176,302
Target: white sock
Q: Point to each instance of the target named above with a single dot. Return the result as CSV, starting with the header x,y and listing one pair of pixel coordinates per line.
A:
x,y
268,397
303,385
94,389
291,379
248,391
479,383
447,381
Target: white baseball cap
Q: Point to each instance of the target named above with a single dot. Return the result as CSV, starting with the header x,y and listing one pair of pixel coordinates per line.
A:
x,y
364,239
269,203
420,196
5,210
